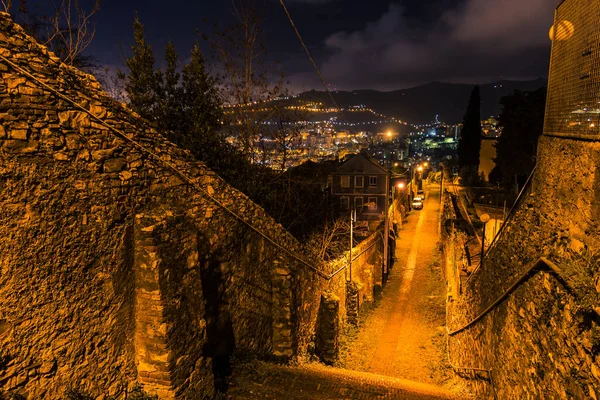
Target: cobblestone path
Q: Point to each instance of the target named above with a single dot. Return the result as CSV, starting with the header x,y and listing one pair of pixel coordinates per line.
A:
x,y
404,335
267,381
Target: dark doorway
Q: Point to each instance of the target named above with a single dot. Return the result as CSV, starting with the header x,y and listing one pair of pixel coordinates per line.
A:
x,y
220,344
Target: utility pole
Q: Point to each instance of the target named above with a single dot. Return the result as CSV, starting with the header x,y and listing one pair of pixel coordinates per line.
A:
x,y
387,231
485,219
352,212
442,186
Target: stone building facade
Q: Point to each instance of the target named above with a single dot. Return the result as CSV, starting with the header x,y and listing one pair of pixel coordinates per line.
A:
x,y
122,259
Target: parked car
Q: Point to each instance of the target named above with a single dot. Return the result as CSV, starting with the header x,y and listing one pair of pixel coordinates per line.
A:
x,y
417,203
421,194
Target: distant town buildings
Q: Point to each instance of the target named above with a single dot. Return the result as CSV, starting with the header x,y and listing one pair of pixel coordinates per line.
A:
x,y
490,128
362,184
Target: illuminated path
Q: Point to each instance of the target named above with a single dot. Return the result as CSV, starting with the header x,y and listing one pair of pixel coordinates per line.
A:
x,y
403,336
398,352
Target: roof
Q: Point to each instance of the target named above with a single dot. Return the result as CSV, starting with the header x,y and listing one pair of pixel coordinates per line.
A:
x,y
362,163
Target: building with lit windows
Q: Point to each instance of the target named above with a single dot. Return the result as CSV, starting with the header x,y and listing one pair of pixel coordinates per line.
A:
x,y
359,181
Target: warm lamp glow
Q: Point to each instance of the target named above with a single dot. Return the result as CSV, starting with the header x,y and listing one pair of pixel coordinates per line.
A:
x,y
420,168
400,185
389,134
562,30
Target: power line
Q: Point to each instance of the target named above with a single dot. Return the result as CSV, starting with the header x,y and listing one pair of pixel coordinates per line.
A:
x,y
308,53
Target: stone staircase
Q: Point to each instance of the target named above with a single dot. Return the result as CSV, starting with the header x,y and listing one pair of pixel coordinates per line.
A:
x,y
315,381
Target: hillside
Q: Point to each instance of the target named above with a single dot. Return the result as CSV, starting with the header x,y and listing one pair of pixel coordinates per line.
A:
x,y
420,104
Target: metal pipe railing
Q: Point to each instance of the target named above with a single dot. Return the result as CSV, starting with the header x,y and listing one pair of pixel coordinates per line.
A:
x,y
541,264
509,218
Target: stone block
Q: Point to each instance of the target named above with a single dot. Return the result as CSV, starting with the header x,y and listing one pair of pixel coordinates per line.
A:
x,y
73,141
61,157
30,91
20,146
113,165
19,134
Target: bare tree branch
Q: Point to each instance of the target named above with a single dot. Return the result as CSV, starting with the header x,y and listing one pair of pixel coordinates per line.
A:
x,y
5,5
72,29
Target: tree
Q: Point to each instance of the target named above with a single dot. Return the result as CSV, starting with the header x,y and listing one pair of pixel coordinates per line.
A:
x,y
184,105
67,32
141,82
170,102
200,121
111,83
522,122
331,241
469,144
5,5
248,80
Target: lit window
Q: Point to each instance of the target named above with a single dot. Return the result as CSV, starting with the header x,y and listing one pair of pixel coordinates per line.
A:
x,y
372,203
359,181
372,181
345,181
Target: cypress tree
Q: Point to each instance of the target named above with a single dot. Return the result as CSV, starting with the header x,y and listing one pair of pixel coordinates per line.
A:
x,y
170,101
522,122
469,145
141,81
201,112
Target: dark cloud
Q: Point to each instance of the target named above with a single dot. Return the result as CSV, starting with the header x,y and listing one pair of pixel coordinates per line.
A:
x,y
477,40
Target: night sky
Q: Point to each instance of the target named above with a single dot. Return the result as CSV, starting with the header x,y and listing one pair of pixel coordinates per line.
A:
x,y
359,44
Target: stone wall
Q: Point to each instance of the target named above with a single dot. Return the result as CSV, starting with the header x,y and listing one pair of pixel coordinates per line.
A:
x,y
543,341
366,275
120,258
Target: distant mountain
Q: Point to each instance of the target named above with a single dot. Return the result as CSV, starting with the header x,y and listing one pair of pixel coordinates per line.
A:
x,y
422,103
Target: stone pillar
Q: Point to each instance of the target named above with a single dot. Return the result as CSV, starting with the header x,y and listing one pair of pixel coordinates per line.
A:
x,y
150,340
282,313
328,329
352,305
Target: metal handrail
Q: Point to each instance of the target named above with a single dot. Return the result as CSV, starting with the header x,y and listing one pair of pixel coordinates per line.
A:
x,y
346,265
509,218
541,264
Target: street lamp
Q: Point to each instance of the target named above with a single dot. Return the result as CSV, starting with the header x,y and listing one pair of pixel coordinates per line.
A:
x,y
400,186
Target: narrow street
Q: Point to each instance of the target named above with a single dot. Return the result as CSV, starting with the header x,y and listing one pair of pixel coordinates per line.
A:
x,y
399,350
403,336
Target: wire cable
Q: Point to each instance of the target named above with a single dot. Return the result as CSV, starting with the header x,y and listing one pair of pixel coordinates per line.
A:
x,y
308,53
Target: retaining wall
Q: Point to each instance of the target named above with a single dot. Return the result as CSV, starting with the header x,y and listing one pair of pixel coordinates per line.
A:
x,y
543,341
